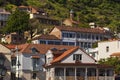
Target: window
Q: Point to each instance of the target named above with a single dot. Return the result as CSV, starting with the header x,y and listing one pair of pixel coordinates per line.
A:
x,y
13,61
65,43
57,43
42,42
50,42
77,56
35,62
34,75
107,49
59,71
68,35
71,43
70,72
80,71
2,59
91,72
15,38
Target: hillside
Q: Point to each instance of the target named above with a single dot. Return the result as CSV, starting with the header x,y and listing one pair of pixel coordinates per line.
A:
x,y
105,13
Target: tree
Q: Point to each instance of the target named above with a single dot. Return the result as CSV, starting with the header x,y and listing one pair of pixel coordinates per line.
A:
x,y
33,26
17,22
113,61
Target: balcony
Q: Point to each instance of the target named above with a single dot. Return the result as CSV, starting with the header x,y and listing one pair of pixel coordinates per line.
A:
x,y
84,78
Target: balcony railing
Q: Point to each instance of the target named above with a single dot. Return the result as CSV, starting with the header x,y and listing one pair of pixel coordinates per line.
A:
x,y
59,78
106,78
83,78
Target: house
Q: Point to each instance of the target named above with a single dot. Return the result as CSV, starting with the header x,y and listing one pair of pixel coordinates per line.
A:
x,y
5,62
14,38
53,62
28,60
69,21
47,39
75,64
75,36
28,9
39,14
3,17
108,48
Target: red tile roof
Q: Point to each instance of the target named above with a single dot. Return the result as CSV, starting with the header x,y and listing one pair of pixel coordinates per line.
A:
x,y
77,29
115,54
42,48
10,46
46,37
63,55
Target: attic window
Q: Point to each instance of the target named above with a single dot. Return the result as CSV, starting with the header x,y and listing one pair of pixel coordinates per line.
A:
x,y
54,49
34,50
107,49
77,57
63,49
34,75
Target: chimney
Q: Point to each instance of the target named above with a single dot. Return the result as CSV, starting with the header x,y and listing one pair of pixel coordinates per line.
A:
x,y
92,25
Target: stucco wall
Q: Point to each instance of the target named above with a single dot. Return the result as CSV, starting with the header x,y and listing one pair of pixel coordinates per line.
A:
x,y
56,32
85,58
114,46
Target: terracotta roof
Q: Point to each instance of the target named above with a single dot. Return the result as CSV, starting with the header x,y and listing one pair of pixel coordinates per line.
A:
x,y
66,53
77,29
115,54
46,37
42,48
10,46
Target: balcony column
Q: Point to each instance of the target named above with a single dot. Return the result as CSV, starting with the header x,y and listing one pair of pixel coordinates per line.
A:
x,y
75,73
64,73
76,39
97,74
105,74
86,73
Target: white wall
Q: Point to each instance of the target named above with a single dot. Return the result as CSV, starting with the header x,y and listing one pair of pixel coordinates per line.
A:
x,y
27,61
4,49
114,46
85,58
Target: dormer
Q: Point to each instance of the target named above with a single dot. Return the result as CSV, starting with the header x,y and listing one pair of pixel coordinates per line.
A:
x,y
34,50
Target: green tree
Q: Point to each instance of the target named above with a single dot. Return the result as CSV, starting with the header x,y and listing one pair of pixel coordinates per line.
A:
x,y
33,27
17,22
113,61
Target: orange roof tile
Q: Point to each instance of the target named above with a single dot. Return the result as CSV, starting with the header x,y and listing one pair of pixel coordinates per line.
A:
x,y
46,37
10,46
42,48
115,54
66,53
77,29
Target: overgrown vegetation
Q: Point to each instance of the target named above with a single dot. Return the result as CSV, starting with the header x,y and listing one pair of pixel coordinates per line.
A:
x,y
105,13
